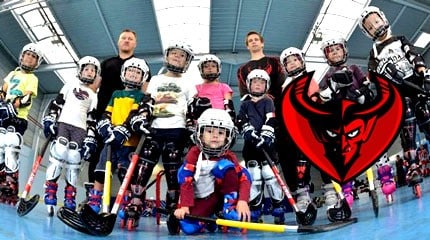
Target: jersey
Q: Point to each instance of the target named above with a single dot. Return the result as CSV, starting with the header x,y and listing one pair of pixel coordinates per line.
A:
x,y
79,100
17,84
187,191
385,173
257,113
215,92
171,96
358,77
120,105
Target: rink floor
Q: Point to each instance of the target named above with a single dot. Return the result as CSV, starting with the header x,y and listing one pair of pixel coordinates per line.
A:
x,y
406,218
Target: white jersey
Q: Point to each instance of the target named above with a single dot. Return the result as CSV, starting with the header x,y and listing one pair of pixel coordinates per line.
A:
x,y
171,96
79,100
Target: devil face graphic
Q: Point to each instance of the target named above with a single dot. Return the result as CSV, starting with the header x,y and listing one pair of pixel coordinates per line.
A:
x,y
342,138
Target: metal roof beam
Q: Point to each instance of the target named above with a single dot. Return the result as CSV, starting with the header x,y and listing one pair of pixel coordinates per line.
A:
x,y
105,26
236,27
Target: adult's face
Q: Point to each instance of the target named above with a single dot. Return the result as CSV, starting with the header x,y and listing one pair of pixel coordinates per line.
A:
x,y
127,42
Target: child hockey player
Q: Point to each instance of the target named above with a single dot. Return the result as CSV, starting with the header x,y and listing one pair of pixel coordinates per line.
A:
x,y
386,178
125,119
71,119
297,172
16,95
256,121
396,58
171,92
211,177
414,178
341,82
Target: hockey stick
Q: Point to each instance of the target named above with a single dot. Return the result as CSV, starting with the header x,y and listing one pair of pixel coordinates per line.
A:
x,y
25,206
102,225
343,211
267,227
306,218
372,193
108,180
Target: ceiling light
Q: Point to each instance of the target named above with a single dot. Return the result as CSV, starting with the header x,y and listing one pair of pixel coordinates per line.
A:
x,y
422,40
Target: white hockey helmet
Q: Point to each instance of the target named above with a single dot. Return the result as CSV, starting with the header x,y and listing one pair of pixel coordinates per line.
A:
x,y
335,41
381,30
138,63
84,62
257,73
289,52
34,48
209,58
214,118
382,160
181,46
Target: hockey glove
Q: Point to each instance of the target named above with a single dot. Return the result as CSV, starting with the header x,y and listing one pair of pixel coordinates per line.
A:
x,y
89,146
250,135
121,135
426,80
268,136
342,78
139,124
393,73
104,128
198,106
49,126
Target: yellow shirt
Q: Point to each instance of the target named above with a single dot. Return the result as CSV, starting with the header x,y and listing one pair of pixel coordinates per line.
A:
x,y
17,84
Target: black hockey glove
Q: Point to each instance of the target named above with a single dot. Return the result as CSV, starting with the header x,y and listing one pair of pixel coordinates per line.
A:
x,y
89,146
268,136
393,73
426,80
139,124
250,135
120,135
104,128
342,78
198,105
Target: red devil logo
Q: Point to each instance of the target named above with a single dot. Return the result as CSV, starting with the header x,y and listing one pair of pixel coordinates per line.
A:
x,y
342,138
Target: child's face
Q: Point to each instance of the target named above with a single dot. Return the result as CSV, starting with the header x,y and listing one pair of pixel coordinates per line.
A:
x,y
258,85
133,74
372,23
89,71
214,137
210,67
177,57
335,53
292,63
29,58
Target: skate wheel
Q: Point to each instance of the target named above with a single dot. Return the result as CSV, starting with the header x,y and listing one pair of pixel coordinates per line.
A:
x,y
122,223
130,225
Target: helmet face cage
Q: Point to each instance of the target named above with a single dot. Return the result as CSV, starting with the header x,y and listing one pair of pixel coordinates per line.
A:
x,y
381,30
190,56
326,50
32,47
257,73
134,63
214,119
84,62
290,52
209,58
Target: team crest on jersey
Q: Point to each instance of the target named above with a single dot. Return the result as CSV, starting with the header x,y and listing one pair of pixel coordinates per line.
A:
x,y
343,138
80,94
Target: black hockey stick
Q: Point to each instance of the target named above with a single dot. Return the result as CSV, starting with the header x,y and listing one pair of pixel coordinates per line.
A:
x,y
102,225
25,206
372,193
73,219
305,218
267,227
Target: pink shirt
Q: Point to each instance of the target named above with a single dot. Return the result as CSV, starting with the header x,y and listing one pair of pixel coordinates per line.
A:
x,y
215,93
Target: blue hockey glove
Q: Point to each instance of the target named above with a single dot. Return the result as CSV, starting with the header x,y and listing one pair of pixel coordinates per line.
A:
x,y
49,126
89,146
120,135
139,124
268,136
249,134
104,128
7,111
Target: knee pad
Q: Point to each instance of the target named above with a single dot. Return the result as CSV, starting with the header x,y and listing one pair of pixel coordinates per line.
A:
x,y
256,195
59,150
99,176
172,162
150,150
143,172
2,143
12,149
273,187
73,163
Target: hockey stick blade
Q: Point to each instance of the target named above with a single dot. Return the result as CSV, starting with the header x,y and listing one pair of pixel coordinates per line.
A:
x,y
308,217
99,225
341,213
72,219
25,206
375,204
268,227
